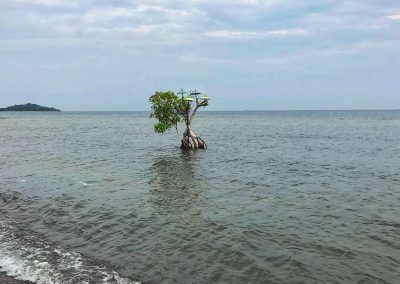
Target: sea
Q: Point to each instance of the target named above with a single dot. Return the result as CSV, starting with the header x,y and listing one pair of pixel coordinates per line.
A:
x,y
278,197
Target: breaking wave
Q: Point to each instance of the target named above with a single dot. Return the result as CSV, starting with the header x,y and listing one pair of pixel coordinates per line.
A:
x,y
29,257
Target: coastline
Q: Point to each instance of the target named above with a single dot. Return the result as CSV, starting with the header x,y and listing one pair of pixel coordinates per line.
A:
x,y
5,279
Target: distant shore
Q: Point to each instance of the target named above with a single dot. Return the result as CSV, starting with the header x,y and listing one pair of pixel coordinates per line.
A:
x,y
28,107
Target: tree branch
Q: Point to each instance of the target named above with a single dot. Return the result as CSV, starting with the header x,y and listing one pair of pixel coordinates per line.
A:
x,y
186,114
198,105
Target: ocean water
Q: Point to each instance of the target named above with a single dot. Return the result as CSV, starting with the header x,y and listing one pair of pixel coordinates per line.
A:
x,y
278,197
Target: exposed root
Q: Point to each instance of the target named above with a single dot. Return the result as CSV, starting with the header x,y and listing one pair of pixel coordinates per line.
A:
x,y
185,143
191,141
202,144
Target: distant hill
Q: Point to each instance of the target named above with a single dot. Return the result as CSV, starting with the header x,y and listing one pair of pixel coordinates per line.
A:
x,y
28,107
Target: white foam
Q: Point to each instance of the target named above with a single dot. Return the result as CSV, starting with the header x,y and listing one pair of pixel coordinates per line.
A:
x,y
84,183
121,280
30,258
35,271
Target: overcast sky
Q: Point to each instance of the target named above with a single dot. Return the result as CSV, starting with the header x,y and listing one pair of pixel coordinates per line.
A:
x,y
245,54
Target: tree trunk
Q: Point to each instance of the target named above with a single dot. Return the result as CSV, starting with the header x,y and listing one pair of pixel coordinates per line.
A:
x,y
191,141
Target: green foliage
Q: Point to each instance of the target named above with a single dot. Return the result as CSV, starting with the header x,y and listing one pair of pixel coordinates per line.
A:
x,y
168,109
28,107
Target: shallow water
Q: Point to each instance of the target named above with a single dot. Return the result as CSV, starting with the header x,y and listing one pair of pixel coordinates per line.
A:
x,y
278,197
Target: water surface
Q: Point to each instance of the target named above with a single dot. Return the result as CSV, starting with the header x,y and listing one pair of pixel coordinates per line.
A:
x,y
278,197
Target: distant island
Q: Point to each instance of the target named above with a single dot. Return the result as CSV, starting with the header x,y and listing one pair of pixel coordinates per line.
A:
x,y
28,107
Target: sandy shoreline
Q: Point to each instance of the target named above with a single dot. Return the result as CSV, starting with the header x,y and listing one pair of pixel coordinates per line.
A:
x,y
4,279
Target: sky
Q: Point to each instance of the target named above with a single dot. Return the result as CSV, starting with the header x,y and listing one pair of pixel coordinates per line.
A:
x,y
245,54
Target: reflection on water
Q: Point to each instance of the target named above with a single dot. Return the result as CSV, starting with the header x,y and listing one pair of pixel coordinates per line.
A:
x,y
174,182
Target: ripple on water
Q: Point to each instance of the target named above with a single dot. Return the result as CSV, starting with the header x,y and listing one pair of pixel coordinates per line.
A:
x,y
279,197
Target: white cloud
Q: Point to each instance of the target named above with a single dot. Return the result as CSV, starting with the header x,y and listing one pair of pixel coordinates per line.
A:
x,y
48,2
256,34
139,12
191,3
394,17
137,30
104,14
264,3
177,21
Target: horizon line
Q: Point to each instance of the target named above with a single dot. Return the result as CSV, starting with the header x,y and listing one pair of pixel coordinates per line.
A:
x,y
247,110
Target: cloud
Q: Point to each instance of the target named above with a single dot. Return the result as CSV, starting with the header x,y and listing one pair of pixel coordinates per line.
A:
x,y
53,3
137,30
255,34
394,17
140,12
222,3
104,47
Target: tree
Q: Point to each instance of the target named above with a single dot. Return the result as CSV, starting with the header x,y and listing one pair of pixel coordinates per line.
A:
x,y
169,110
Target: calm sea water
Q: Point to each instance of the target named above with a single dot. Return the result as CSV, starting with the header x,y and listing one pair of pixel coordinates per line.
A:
x,y
278,197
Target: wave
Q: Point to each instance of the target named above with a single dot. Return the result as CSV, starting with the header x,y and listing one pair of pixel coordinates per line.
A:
x,y
29,257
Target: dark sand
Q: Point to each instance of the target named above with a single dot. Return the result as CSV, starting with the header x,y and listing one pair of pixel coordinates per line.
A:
x,y
4,279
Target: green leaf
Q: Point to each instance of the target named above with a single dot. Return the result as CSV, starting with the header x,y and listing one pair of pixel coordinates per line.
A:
x,y
167,108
